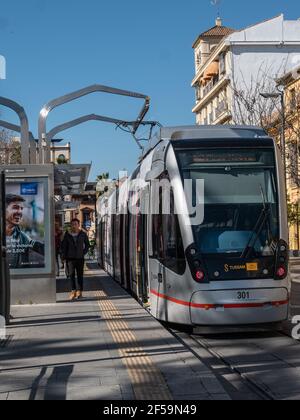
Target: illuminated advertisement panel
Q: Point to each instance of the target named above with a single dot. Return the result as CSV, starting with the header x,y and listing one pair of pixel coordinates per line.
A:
x,y
27,224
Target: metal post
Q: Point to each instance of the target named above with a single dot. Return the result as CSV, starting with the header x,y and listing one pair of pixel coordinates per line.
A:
x,y
283,142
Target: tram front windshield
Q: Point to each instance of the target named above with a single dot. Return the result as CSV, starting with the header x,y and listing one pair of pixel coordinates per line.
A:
x,y
240,200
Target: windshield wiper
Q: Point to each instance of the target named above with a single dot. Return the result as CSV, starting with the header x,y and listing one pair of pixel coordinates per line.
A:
x,y
258,227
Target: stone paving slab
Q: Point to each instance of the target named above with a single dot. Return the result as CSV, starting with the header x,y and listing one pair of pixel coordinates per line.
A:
x,y
182,371
289,383
67,352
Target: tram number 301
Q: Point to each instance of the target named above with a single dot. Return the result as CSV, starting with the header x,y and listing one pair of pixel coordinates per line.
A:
x,y
243,295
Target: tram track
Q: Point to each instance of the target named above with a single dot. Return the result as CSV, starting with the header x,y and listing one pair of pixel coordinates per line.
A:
x,y
238,384
259,391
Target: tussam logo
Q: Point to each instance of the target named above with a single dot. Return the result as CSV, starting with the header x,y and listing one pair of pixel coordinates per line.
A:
x,y
2,328
2,68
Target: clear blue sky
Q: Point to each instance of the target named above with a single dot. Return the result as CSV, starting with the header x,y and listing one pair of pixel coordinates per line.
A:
x,y
53,47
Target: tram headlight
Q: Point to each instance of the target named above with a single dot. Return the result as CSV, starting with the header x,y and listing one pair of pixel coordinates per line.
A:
x,y
197,264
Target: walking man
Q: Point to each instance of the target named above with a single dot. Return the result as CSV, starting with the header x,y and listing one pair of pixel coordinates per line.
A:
x,y
75,246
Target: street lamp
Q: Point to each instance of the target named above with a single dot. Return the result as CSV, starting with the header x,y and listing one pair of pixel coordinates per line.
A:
x,y
276,95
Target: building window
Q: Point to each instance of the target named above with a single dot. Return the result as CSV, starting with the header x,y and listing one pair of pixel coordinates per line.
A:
x,y
222,63
198,59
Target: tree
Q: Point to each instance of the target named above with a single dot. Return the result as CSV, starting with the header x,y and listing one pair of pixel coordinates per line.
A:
x,y
103,177
293,212
62,160
250,108
10,149
105,185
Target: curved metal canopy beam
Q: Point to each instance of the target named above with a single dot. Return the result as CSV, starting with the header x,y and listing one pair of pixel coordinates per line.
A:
x,y
86,118
8,103
79,94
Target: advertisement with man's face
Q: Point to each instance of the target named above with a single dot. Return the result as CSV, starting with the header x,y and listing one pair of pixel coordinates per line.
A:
x,y
25,224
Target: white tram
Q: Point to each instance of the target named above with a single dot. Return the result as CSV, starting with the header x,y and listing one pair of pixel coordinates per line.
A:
x,y
229,269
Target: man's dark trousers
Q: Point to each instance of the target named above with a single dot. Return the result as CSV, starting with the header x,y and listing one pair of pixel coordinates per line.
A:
x,y
76,267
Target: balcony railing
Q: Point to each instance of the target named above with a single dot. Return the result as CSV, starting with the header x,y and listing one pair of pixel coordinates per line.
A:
x,y
209,87
221,108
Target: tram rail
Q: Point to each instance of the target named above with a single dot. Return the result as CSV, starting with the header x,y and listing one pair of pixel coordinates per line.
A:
x,y
223,366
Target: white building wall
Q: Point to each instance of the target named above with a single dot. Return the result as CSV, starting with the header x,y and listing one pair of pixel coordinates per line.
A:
x,y
249,61
268,31
273,45
291,30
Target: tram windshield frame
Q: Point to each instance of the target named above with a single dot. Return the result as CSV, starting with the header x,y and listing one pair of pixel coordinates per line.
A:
x,y
241,206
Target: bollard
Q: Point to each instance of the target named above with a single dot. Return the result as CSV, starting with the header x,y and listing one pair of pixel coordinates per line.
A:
x,y
2,328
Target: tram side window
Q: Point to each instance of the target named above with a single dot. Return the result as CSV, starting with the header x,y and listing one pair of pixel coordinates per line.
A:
x,y
157,245
167,241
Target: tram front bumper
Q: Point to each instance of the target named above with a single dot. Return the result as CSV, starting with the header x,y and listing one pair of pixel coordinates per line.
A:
x,y
239,307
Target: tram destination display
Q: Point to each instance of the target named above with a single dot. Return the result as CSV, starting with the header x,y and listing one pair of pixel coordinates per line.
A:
x,y
25,224
226,157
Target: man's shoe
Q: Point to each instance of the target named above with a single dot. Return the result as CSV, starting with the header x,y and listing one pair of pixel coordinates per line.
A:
x,y
73,295
78,294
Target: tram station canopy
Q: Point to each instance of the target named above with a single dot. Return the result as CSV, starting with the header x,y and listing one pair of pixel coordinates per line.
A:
x,y
71,179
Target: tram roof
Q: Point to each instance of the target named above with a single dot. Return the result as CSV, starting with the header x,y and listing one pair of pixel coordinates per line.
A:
x,y
207,132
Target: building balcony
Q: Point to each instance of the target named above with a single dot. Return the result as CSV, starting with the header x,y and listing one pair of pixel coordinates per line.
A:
x,y
204,91
209,92
221,108
210,85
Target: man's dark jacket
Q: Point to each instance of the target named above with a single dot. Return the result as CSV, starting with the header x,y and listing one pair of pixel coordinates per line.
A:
x,y
75,248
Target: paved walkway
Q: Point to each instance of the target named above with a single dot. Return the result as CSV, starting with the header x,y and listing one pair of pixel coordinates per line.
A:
x,y
105,347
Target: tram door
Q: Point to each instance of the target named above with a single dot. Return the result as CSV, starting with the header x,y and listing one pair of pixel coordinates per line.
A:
x,y
4,272
145,202
156,252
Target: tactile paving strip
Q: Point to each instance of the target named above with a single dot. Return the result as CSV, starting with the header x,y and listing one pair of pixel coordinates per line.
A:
x,y
147,381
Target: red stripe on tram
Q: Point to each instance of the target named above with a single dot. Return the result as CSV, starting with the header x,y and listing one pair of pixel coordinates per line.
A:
x,y
213,306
